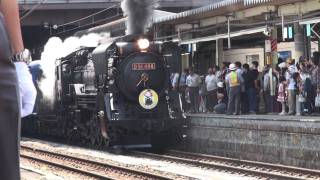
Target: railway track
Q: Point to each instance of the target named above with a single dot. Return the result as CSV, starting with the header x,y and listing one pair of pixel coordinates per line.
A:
x,y
84,167
247,168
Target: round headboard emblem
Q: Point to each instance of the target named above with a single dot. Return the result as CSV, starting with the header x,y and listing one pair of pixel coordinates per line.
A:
x,y
148,99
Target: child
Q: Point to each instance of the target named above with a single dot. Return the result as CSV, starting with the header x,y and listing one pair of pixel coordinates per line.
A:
x,y
282,94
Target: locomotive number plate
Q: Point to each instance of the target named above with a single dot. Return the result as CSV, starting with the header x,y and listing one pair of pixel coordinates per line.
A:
x,y
143,66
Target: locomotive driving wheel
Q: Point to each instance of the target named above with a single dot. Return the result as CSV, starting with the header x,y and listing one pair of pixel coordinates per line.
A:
x,y
95,137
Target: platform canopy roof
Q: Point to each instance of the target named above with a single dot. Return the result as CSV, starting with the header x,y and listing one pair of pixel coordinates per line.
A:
x,y
218,8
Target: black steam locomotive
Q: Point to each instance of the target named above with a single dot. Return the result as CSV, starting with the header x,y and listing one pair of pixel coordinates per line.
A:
x,y
115,94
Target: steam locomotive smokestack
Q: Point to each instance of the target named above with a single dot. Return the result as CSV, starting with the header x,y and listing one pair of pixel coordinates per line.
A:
x,y
139,13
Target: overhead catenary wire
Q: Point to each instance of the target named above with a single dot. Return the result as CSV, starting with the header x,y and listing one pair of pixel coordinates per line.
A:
x,y
71,22
88,24
32,9
89,16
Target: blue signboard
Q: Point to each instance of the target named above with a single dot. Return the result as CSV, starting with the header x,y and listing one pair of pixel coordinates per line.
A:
x,y
284,55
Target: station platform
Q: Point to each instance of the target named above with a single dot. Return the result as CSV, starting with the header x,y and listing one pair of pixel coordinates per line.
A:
x,y
287,140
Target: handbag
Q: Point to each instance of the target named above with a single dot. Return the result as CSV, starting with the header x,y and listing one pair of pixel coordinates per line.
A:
x,y
301,98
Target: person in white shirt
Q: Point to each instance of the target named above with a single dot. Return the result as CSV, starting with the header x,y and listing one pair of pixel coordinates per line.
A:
x,y
193,83
269,89
175,77
291,86
212,87
27,90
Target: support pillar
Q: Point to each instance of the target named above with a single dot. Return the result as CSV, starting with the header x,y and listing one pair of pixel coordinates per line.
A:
x,y
272,59
271,56
274,53
219,52
298,42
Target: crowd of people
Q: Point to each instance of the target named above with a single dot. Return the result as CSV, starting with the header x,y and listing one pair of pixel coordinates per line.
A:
x,y
288,88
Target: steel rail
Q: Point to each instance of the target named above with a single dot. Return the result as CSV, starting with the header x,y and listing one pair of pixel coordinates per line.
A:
x,y
65,167
251,163
86,161
237,166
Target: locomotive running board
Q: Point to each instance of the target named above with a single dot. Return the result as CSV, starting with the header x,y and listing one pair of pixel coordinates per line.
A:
x,y
133,146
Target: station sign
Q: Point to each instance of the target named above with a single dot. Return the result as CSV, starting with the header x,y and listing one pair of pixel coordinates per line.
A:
x,y
308,29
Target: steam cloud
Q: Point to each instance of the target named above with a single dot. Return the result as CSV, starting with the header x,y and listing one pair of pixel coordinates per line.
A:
x,y
56,48
139,14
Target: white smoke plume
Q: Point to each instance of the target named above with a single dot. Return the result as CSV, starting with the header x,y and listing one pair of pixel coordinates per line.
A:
x,y
90,40
70,45
139,13
54,49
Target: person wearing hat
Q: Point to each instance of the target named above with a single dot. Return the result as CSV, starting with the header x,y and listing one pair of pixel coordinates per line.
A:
x,y
234,82
221,107
291,86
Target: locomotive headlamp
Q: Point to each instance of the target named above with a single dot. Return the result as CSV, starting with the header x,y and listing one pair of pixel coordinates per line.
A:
x,y
143,43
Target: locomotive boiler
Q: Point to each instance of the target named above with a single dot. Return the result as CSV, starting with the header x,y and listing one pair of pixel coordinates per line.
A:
x,y
116,94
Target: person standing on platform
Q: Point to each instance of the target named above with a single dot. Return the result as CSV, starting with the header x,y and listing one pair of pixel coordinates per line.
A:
x,y
315,79
193,82
253,88
211,85
9,90
234,81
221,74
28,92
291,86
181,81
238,65
244,97
305,76
282,94
203,93
269,87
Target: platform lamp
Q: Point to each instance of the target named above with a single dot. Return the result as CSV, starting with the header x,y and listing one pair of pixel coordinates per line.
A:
x,y
47,25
